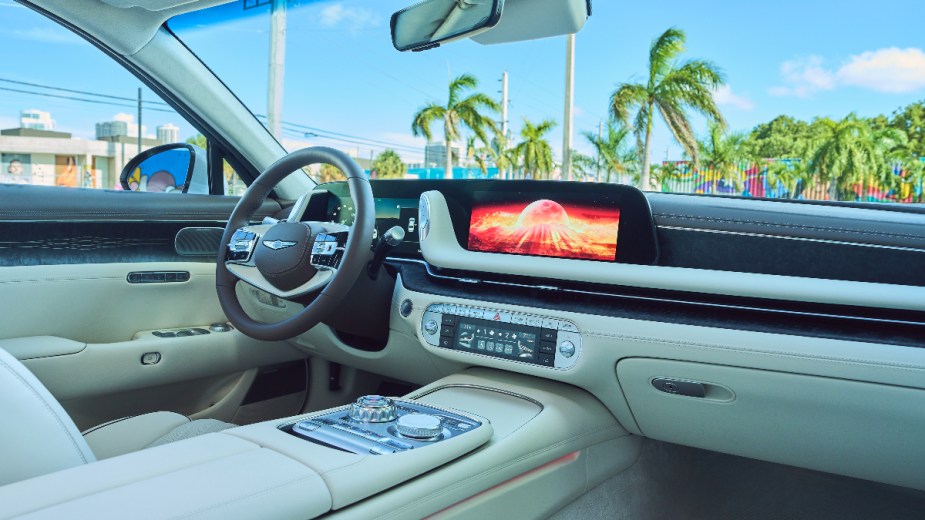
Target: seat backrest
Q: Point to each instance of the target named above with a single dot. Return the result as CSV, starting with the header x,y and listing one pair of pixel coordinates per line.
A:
x,y
36,435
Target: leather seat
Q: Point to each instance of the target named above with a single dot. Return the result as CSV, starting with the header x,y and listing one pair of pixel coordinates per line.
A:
x,y
38,437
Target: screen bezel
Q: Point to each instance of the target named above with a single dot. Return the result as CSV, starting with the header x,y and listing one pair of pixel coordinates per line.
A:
x,y
489,198
637,239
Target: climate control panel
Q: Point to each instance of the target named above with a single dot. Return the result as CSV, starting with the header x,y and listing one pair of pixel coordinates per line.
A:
x,y
525,338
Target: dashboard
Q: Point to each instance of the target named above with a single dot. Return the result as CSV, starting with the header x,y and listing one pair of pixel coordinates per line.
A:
x,y
596,222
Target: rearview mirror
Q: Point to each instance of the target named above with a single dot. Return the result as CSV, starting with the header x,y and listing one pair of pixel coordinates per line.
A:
x,y
427,24
170,168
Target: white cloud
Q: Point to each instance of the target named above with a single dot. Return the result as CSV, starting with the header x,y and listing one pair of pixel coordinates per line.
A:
x,y
355,18
892,70
804,77
723,95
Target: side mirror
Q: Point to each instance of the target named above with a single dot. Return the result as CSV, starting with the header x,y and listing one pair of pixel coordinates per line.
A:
x,y
169,168
428,24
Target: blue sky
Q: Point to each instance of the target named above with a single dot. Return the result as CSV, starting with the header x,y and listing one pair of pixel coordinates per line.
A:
x,y
801,58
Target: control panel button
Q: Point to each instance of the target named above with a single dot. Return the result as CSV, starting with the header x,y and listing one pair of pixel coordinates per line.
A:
x,y
550,324
220,327
446,342
567,348
567,326
547,347
150,358
430,326
406,308
447,330
547,360
548,335
448,319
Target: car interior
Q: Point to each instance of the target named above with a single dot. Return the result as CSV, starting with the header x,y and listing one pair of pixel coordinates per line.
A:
x,y
373,348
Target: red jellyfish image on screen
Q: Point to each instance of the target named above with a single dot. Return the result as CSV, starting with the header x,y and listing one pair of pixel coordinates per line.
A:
x,y
545,228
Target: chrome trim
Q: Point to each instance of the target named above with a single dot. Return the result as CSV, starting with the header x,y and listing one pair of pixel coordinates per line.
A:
x,y
669,300
276,245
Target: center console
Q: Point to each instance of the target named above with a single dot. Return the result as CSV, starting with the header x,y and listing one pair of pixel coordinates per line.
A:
x,y
379,425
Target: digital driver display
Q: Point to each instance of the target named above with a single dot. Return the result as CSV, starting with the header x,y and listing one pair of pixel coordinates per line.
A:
x,y
528,224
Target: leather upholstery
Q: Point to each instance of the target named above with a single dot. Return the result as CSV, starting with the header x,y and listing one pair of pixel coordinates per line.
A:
x,y
37,436
131,433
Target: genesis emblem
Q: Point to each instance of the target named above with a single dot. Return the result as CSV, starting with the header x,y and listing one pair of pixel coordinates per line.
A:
x,y
278,244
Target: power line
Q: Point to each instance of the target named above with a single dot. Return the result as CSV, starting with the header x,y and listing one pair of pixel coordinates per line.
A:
x,y
94,101
339,134
81,92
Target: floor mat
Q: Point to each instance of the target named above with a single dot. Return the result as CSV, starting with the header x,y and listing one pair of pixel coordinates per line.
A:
x,y
676,482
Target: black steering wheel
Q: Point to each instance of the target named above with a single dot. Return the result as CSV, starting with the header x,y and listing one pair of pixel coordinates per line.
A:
x,y
292,259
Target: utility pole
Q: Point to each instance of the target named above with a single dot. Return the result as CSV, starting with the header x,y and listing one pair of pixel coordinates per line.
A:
x,y
569,99
277,67
504,137
600,138
139,120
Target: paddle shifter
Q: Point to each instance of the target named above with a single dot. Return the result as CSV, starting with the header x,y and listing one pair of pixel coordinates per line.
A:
x,y
387,242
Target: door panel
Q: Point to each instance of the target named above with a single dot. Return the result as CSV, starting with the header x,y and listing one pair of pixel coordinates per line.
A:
x,y
85,298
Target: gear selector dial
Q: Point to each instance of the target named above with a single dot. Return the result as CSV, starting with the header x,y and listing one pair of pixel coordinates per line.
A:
x,y
373,409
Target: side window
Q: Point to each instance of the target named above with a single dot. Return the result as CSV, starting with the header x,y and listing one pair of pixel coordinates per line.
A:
x,y
72,117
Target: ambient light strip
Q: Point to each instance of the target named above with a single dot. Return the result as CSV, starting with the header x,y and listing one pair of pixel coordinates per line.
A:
x,y
440,248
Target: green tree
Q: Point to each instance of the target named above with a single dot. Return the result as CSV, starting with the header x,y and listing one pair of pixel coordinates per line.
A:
x,y
726,155
846,152
673,89
610,149
782,138
388,165
911,121
459,110
534,151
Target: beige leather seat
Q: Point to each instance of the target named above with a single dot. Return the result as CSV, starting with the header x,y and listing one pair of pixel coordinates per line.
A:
x,y
38,437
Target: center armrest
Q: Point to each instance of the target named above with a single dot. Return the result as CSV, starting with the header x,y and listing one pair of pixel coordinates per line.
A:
x,y
351,477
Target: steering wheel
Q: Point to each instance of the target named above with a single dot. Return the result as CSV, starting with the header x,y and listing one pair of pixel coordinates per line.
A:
x,y
292,259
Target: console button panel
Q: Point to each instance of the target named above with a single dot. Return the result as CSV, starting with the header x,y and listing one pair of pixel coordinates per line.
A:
x,y
339,429
513,336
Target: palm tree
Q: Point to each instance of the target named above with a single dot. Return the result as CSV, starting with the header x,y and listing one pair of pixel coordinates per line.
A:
x,y
724,155
458,110
610,149
388,165
534,151
673,88
792,175
847,152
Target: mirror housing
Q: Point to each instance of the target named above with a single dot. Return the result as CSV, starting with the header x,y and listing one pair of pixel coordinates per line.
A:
x,y
429,23
535,19
169,168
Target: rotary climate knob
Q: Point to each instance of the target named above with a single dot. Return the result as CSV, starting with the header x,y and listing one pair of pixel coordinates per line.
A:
x,y
419,426
373,409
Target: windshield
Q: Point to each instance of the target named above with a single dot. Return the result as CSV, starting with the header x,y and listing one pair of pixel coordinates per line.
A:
x,y
799,100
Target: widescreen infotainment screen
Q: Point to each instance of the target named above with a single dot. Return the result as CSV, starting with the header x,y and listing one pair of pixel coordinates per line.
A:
x,y
543,225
